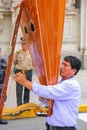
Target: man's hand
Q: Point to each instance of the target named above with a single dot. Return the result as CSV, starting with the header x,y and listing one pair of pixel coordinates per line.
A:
x,y
20,78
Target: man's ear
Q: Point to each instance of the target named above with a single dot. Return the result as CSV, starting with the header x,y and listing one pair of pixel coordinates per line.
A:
x,y
74,71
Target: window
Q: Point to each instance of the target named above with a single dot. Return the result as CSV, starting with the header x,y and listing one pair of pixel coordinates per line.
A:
x,y
70,4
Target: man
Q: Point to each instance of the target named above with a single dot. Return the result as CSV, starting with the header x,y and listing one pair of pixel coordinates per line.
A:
x,y
66,95
3,65
22,61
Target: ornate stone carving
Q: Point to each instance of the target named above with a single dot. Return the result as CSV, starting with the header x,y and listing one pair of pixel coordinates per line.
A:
x,y
6,2
70,4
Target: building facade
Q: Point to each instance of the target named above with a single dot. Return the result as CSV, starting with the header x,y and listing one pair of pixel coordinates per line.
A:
x,y
75,29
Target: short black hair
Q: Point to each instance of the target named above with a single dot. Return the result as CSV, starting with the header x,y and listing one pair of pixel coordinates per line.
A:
x,y
74,62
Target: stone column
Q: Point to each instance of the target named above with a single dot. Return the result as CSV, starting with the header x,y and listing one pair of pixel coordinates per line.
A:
x,y
83,43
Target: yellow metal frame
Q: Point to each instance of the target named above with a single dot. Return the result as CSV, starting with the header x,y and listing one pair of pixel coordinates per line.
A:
x,y
22,111
29,110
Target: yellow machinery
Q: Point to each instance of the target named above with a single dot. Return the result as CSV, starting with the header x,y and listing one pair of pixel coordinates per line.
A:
x,y
22,111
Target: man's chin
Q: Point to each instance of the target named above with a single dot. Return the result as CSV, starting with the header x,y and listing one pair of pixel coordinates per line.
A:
x,y
61,74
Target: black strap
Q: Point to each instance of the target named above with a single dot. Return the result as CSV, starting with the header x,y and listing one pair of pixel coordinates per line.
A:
x,y
62,128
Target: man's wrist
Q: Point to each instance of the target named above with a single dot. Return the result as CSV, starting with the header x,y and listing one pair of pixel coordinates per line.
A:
x,y
25,83
28,84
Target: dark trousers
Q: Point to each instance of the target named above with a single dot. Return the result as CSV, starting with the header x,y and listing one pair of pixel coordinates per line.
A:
x,y
47,126
59,128
62,128
23,98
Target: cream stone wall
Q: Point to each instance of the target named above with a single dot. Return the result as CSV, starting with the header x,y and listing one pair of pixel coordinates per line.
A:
x,y
71,36
7,21
71,30
5,27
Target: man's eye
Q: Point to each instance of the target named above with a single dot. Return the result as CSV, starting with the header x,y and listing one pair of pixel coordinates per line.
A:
x,y
65,65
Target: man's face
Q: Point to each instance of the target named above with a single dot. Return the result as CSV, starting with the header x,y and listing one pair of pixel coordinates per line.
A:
x,y
24,45
66,70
